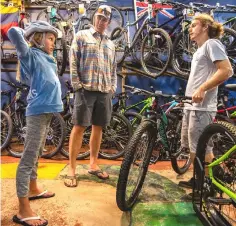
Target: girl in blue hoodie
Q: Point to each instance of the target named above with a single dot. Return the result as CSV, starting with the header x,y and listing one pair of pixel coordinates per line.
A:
x,y
44,98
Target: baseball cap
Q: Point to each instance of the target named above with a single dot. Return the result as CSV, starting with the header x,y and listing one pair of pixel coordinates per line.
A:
x,y
104,10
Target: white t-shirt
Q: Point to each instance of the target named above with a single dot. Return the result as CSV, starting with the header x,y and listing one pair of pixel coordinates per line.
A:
x,y
202,69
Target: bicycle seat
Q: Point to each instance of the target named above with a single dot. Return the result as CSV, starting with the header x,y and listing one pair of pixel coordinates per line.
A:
x,y
231,87
127,9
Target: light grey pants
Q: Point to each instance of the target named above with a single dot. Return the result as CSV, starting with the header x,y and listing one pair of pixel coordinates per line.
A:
x,y
36,132
193,124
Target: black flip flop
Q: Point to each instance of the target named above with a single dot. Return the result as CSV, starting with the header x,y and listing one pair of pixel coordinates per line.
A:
x,y
97,172
42,196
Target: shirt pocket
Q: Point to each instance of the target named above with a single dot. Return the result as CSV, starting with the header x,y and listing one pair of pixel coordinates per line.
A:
x,y
89,48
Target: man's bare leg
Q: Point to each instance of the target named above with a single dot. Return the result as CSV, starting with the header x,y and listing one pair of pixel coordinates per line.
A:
x,y
95,143
75,143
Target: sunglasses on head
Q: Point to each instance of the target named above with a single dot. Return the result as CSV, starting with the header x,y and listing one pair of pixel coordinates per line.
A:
x,y
104,11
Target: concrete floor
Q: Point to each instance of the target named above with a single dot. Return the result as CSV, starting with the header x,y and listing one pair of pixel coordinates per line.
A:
x,y
93,202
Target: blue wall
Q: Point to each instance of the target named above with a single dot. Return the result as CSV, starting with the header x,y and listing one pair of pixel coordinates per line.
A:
x,y
167,84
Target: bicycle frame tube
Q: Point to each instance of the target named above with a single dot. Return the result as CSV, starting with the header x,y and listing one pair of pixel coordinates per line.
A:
x,y
229,21
217,162
147,102
171,105
226,109
176,24
137,34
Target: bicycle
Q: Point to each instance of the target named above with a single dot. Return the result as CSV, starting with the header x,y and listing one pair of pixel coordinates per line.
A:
x,y
214,194
6,130
156,49
80,16
225,113
16,109
140,148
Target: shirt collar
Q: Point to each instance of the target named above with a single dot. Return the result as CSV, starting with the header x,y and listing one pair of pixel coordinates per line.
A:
x,y
94,32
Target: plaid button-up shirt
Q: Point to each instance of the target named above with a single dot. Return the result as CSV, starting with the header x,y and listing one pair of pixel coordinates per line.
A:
x,y
92,62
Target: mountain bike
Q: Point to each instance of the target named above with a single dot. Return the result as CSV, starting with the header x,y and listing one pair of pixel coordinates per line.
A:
x,y
16,107
148,138
225,113
214,192
156,49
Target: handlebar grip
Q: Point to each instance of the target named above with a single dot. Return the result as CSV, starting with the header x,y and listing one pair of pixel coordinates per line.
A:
x,y
232,6
129,87
187,98
198,3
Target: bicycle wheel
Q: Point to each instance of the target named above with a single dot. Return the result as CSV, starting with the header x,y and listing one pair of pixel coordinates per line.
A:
x,y
156,52
136,50
115,137
219,207
120,40
117,19
134,119
55,137
183,50
16,146
229,41
180,158
135,165
60,51
6,129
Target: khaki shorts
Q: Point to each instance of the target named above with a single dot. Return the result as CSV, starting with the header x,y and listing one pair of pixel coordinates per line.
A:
x,y
92,108
193,124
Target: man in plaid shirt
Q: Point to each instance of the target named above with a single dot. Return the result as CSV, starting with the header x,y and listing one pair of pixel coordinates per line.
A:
x,y
94,79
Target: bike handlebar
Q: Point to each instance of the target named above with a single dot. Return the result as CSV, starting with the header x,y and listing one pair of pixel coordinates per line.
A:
x,y
231,6
138,90
17,86
158,93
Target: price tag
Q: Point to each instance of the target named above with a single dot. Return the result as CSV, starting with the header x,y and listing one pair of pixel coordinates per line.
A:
x,y
63,23
71,95
81,9
49,9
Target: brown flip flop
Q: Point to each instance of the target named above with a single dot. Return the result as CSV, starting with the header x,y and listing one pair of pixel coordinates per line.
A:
x,y
71,178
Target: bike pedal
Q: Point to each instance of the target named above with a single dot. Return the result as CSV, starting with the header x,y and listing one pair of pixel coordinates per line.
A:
x,y
220,201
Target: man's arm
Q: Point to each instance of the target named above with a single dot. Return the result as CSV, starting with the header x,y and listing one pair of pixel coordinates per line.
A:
x,y
74,64
224,71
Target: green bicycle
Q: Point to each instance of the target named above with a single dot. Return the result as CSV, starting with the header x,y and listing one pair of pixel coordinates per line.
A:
x,y
214,191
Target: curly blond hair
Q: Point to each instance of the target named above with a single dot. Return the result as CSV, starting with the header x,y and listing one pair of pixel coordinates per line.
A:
x,y
215,29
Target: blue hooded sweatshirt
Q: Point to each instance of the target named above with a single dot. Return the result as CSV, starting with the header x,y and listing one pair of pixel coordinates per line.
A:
x,y
40,73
